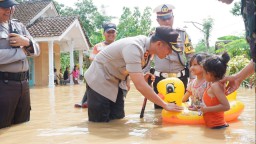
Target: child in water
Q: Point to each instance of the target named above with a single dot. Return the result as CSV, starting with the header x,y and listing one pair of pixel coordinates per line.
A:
x,y
214,97
196,87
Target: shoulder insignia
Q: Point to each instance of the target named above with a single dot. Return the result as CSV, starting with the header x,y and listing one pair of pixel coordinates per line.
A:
x,y
180,29
15,20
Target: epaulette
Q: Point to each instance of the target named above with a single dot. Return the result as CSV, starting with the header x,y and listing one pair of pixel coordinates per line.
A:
x,y
151,33
180,29
16,20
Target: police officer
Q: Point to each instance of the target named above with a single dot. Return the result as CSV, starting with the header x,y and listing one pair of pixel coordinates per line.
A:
x,y
110,36
15,45
174,65
113,64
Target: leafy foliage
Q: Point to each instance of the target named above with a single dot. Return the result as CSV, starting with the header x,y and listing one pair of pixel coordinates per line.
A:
x,y
91,19
207,28
200,47
236,10
230,37
64,60
236,64
237,46
132,24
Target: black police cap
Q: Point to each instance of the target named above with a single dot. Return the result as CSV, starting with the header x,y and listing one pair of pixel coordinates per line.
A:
x,y
109,26
168,35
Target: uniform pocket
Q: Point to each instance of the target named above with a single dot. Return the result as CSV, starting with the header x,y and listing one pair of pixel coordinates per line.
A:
x,y
4,41
4,44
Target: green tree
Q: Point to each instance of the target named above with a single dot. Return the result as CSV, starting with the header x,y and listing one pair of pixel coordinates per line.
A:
x,y
145,22
236,10
64,60
237,46
124,23
238,49
134,23
91,21
200,47
206,29
236,64
229,37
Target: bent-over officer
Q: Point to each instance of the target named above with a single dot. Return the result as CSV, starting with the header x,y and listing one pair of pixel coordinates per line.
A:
x,y
15,45
176,63
109,33
118,60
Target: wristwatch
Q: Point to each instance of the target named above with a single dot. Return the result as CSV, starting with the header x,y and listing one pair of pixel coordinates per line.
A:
x,y
27,49
30,44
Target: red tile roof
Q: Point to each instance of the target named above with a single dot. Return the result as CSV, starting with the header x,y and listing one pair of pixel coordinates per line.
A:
x,y
25,11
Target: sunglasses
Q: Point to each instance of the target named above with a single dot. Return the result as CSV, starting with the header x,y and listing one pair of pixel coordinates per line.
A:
x,y
165,19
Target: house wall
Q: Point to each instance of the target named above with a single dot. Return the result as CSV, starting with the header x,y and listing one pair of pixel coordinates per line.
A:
x,y
42,64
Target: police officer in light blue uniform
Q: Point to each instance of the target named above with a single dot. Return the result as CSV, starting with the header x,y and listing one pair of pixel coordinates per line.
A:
x,y
15,45
174,65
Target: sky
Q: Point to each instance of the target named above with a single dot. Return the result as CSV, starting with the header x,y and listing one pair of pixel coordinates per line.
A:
x,y
225,23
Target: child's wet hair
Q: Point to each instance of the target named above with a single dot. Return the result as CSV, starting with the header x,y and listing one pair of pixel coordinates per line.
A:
x,y
217,65
199,57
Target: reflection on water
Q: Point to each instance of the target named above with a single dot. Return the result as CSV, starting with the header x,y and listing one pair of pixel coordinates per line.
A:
x,y
62,131
55,120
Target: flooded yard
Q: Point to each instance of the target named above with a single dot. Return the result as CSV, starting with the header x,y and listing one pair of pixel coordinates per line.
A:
x,y
54,120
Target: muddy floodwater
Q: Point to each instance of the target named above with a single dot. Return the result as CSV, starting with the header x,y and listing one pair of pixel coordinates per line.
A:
x,y
54,120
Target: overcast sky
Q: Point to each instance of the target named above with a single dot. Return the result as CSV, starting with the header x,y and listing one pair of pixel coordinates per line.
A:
x,y
185,10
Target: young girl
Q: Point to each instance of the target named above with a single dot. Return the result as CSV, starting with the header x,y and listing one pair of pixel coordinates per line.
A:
x,y
196,87
214,96
75,74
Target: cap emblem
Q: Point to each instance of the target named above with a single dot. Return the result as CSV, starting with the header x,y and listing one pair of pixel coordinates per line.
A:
x,y
164,9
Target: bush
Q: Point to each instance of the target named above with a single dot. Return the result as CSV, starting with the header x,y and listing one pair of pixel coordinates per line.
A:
x,y
236,64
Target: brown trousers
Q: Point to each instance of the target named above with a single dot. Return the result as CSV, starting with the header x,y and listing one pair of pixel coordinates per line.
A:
x,y
14,102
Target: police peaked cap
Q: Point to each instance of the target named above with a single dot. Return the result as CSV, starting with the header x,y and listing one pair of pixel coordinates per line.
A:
x,y
168,35
164,11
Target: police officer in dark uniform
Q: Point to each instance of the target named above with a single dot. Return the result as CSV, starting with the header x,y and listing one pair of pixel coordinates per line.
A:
x,y
175,64
15,45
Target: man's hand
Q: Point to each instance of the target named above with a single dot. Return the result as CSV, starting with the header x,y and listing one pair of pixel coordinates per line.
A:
x,y
234,81
233,84
173,107
18,40
147,75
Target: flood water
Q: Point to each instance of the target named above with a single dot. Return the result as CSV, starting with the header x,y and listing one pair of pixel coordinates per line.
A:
x,y
54,120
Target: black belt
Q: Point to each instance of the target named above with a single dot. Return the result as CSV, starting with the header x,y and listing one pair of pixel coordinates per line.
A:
x,y
19,76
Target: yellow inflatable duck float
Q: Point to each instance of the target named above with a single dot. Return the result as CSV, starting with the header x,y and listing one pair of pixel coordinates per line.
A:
x,y
171,90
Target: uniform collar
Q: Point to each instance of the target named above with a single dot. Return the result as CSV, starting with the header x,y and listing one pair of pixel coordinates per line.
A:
x,y
147,43
4,25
